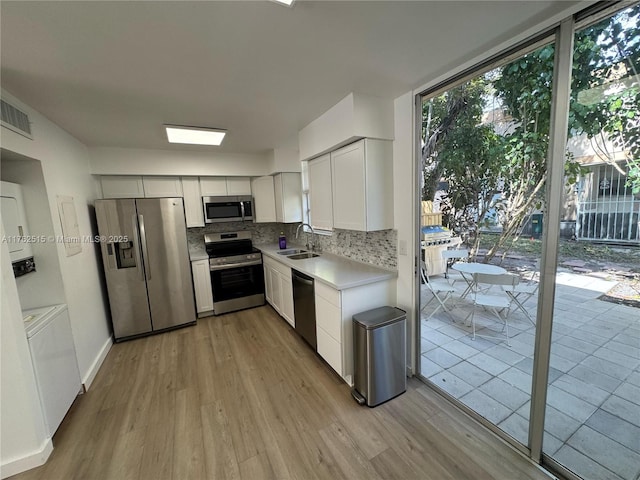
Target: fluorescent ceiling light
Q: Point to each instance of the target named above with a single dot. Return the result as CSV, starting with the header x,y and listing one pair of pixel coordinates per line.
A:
x,y
288,3
194,135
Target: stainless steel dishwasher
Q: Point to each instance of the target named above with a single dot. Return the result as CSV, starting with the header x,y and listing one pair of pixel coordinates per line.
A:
x,y
304,307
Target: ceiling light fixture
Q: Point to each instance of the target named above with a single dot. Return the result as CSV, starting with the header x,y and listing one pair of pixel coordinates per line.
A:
x,y
194,135
287,3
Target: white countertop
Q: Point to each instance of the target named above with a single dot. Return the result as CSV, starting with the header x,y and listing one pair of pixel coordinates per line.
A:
x,y
336,271
197,252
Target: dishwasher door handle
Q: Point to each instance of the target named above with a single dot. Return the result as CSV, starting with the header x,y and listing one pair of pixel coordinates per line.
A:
x,y
302,280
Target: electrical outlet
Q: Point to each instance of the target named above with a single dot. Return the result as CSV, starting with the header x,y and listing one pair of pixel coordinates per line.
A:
x,y
403,247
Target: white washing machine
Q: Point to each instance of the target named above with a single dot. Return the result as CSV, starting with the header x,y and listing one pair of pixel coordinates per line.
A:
x,y
53,355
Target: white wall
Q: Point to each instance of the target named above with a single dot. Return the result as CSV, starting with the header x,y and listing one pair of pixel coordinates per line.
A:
x,y
404,201
137,161
286,159
23,441
65,168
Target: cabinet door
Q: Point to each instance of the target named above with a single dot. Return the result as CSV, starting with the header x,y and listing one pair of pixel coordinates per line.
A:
x,y
202,285
238,186
287,299
330,350
288,197
115,186
348,177
276,292
268,285
155,187
264,200
193,209
213,186
320,196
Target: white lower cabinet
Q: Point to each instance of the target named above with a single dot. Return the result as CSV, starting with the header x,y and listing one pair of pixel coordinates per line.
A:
x,y
202,287
279,288
334,324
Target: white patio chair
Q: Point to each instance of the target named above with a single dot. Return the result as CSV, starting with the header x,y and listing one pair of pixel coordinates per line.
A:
x,y
495,301
523,291
440,289
450,257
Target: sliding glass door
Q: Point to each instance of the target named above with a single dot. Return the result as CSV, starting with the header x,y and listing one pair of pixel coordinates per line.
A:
x,y
530,174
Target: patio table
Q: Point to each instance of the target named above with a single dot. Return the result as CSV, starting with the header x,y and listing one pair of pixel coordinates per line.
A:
x,y
467,269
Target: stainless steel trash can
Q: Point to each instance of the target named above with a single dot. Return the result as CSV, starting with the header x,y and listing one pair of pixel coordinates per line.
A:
x,y
379,338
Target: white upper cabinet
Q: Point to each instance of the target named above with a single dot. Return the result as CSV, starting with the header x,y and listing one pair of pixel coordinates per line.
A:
x,y
264,200
238,186
320,196
122,186
288,197
193,209
162,187
362,186
355,116
221,186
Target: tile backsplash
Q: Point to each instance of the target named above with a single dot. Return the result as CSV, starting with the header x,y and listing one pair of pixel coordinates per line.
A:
x,y
376,248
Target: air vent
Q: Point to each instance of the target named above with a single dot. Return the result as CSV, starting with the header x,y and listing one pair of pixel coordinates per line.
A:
x,y
15,120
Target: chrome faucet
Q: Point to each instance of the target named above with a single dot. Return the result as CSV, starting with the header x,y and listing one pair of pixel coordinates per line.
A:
x,y
310,245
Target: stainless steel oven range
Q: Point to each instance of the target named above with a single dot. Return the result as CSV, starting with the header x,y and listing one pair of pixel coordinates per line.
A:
x,y
237,278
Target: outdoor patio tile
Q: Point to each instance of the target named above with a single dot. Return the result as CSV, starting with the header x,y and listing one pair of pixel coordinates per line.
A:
x,y
453,331
588,393
623,408
525,337
504,393
616,428
426,345
583,465
606,452
617,357
592,377
634,378
629,392
570,404
505,354
596,305
442,357
560,330
560,363
470,373
434,336
558,423
582,334
526,365
516,426
569,353
517,378
428,368
488,363
478,343
550,444
460,349
571,341
451,384
631,350
486,406
605,366
522,348
607,331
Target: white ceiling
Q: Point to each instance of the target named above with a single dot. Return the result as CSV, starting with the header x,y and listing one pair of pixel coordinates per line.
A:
x,y
111,73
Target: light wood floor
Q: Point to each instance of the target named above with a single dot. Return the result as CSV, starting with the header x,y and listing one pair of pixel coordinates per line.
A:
x,y
242,397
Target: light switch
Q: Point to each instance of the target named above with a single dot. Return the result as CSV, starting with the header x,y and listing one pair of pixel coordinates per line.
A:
x,y
402,247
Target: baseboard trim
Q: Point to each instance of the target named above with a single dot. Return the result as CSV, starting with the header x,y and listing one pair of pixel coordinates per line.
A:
x,y
97,363
27,463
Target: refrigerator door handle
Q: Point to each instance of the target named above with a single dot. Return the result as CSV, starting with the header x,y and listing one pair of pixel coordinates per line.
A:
x,y
145,252
136,241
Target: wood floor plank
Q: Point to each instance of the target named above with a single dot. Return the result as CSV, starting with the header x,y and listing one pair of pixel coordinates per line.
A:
x,y
241,396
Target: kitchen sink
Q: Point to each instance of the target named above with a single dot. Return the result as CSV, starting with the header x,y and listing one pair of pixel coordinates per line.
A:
x,y
300,256
290,251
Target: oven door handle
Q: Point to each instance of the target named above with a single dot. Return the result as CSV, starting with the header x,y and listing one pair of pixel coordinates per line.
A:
x,y
227,266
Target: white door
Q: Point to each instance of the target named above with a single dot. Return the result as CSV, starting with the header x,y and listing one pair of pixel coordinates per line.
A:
x,y
320,196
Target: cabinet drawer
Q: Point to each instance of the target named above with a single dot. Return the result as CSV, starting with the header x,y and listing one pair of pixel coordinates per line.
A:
x,y
329,349
328,317
330,294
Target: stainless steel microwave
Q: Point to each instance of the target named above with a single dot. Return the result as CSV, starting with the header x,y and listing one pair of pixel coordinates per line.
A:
x,y
227,209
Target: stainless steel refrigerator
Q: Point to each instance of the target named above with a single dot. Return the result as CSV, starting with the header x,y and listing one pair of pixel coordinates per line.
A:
x,y
146,264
